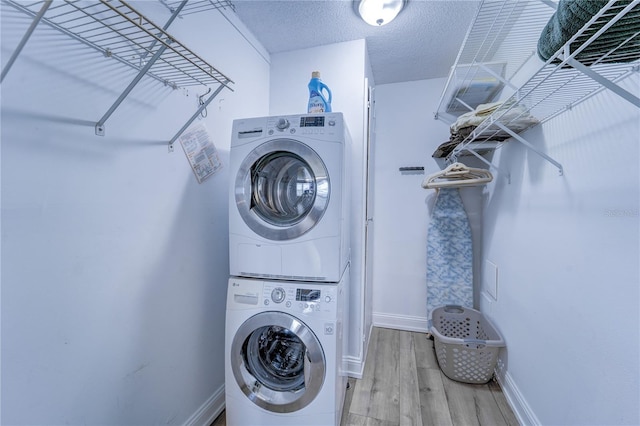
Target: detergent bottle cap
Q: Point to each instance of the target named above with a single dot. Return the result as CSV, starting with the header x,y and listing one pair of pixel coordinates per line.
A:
x,y
315,74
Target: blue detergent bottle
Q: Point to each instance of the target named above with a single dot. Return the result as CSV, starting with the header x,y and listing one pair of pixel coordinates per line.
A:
x,y
318,102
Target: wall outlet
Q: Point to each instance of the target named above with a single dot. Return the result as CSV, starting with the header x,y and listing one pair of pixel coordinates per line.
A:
x,y
490,279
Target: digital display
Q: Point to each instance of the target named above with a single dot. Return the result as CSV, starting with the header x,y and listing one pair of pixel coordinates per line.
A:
x,y
312,121
306,295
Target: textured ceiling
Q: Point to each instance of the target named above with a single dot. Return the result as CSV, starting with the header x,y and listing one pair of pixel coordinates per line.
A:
x,y
421,43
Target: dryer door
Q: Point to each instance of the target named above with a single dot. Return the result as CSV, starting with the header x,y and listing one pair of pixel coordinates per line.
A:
x,y
278,362
282,189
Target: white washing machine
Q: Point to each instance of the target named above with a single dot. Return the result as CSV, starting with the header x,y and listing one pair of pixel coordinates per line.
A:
x,y
283,349
288,202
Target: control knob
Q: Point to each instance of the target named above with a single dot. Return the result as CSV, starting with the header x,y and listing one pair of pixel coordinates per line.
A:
x,y
278,294
282,123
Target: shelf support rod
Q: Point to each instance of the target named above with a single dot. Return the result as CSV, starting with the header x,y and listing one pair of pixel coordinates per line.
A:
x,y
25,38
604,81
498,76
550,4
141,73
134,82
197,113
464,104
166,26
531,147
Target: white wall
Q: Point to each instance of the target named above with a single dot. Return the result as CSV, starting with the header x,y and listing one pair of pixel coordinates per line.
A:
x,y
567,250
343,68
114,259
369,128
407,135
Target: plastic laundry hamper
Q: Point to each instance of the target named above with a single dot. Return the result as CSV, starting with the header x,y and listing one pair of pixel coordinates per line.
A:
x,y
466,344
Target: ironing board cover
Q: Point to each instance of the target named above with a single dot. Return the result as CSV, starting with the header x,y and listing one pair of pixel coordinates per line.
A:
x,y
449,254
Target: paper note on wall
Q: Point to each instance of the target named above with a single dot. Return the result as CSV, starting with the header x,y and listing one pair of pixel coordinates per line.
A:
x,y
200,151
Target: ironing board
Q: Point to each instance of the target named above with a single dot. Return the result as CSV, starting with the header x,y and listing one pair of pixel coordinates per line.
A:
x,y
449,254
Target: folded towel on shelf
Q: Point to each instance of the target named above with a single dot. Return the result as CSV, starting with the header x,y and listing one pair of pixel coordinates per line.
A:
x,y
475,117
445,148
571,15
516,119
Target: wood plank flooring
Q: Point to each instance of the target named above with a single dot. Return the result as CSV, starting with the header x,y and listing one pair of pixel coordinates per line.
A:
x,y
403,385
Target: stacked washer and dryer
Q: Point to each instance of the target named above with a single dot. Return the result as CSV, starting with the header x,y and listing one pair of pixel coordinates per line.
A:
x,y
289,261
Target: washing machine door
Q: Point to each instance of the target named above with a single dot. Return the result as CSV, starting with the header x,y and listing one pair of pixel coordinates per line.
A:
x,y
282,189
278,362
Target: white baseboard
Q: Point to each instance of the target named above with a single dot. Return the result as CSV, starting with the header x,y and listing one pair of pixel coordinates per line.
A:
x,y
209,411
519,405
354,366
400,322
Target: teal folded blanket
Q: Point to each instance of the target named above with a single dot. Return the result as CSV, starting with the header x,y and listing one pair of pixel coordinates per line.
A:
x,y
623,37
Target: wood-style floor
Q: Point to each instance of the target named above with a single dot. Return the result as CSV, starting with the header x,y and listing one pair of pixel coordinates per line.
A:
x,y
403,385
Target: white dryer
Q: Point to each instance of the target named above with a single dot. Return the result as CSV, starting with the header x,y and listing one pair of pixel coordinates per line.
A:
x,y
288,215
283,352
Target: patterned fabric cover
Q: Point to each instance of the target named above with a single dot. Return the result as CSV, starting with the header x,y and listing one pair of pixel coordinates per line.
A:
x,y
449,254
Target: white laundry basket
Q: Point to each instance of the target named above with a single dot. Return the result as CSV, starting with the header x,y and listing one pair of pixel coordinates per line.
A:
x,y
466,344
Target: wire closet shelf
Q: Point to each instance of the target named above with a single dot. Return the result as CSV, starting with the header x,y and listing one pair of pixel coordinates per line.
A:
x,y
118,31
508,31
195,6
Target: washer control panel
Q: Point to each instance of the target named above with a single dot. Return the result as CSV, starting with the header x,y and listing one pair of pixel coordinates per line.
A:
x,y
299,298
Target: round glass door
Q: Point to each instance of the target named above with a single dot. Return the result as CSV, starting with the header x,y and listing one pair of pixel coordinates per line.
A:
x,y
278,362
282,189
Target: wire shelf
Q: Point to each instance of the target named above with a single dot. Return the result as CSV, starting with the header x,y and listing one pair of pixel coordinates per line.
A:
x,y
117,30
196,6
584,66
498,36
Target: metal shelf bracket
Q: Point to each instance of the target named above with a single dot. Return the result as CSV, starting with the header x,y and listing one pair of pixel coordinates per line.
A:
x,y
100,124
25,38
194,116
100,130
528,145
604,82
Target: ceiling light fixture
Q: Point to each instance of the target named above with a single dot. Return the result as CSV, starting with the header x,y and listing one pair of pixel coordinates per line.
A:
x,y
378,12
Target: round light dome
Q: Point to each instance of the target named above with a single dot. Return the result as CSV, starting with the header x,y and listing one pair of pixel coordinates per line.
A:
x,y
378,12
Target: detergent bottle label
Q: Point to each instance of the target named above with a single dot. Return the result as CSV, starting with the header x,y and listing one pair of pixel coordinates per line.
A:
x,y
316,103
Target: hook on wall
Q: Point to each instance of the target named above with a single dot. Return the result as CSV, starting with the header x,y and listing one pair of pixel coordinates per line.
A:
x,y
201,102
